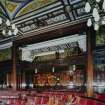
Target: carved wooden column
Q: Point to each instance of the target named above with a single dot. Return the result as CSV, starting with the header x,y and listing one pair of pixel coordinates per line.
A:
x,y
14,77
90,68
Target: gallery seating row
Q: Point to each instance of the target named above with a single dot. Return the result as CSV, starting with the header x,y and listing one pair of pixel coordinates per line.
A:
x,y
100,97
50,98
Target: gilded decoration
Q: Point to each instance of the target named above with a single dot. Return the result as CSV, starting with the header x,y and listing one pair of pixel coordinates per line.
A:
x,y
11,7
16,8
36,4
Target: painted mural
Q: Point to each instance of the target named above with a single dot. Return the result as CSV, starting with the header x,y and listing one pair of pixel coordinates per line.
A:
x,y
34,5
15,8
11,7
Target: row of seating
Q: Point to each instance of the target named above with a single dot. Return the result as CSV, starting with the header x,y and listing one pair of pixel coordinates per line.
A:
x,y
51,98
100,97
52,101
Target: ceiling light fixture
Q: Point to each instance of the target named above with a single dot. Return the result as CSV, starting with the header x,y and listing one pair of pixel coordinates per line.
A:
x,y
97,7
53,69
8,29
36,70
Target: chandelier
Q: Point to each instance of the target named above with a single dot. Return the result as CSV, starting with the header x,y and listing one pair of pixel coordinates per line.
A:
x,y
8,29
97,8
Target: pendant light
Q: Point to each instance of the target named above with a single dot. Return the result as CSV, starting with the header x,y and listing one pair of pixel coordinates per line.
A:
x,y
97,9
87,7
8,28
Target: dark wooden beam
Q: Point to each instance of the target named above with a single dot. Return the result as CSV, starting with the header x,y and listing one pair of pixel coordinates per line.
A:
x,y
70,30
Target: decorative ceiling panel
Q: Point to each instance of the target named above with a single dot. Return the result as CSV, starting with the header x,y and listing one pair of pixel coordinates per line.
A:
x,y
34,5
11,7
43,19
74,1
2,11
33,15
41,22
62,11
79,10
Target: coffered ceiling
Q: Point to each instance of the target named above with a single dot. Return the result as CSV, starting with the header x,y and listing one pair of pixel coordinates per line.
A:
x,y
38,16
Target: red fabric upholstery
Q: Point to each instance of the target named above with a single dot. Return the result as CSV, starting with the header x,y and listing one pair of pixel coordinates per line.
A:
x,y
38,100
60,97
82,101
100,97
99,103
44,100
90,102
